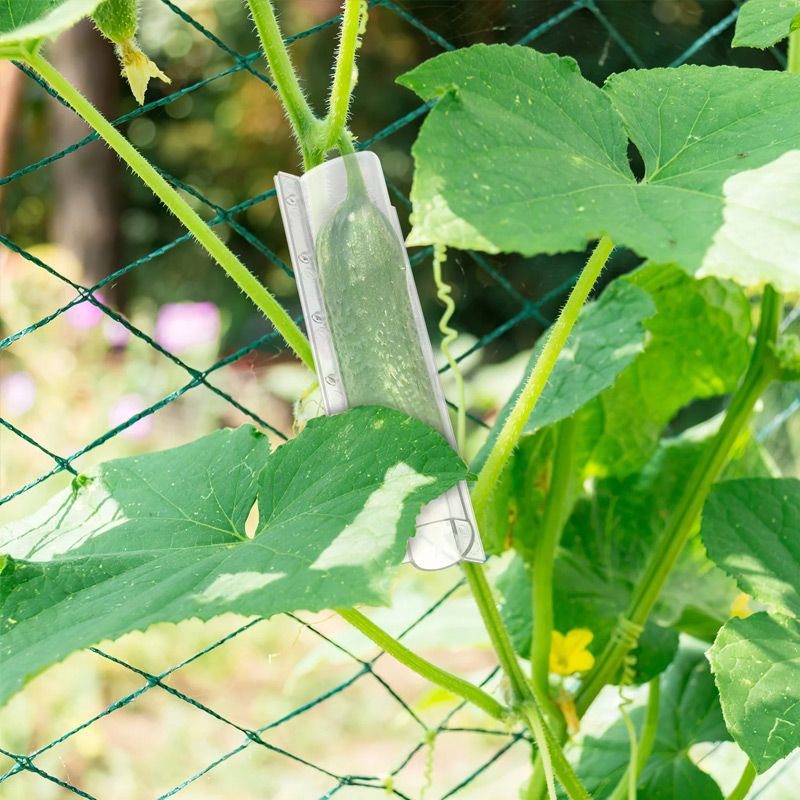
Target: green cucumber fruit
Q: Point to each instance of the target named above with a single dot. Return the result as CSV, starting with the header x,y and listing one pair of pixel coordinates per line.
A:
x,y
362,275
117,19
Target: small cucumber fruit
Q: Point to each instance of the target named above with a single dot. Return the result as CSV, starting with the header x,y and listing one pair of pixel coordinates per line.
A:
x,y
362,275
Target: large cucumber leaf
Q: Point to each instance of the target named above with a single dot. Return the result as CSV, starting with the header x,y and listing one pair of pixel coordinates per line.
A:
x,y
750,528
756,663
689,713
161,537
542,161
24,21
697,347
762,23
608,334
604,548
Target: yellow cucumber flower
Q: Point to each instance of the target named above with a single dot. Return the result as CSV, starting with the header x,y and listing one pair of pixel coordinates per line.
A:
x,y
138,68
568,654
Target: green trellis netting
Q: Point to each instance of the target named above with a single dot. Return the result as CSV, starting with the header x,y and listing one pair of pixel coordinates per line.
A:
x,y
543,18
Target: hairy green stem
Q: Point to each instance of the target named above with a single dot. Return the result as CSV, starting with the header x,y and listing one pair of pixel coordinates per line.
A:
x,y
498,635
739,792
793,62
536,725
553,756
512,429
423,667
761,371
646,741
553,520
215,247
306,127
492,469
525,702
344,71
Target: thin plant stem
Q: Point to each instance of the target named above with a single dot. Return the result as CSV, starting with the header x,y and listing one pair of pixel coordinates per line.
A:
x,y
553,756
423,667
344,71
762,370
498,635
449,335
215,247
492,469
512,429
626,788
525,702
793,61
307,129
553,519
749,774
648,737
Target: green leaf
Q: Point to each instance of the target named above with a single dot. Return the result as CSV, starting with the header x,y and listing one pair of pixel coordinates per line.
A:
x,y
762,23
583,599
518,501
689,713
541,153
751,529
756,663
542,162
697,347
161,537
608,334
29,21
604,548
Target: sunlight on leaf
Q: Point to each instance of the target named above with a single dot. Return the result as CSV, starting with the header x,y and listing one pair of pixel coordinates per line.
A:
x,y
27,21
161,537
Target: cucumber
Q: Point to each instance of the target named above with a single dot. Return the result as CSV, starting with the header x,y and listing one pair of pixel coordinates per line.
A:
x,y
362,275
117,19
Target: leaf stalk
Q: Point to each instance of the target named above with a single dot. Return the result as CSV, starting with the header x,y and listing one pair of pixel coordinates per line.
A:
x,y
168,195
554,518
556,339
452,683
748,777
762,370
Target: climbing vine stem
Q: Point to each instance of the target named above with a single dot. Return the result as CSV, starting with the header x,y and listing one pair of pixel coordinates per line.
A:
x,y
354,20
762,370
307,128
550,750
168,195
512,429
555,514
423,667
748,777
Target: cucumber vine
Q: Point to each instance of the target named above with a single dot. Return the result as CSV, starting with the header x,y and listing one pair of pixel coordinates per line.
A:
x,y
561,439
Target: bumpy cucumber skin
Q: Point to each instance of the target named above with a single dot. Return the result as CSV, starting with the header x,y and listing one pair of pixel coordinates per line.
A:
x,y
363,279
117,19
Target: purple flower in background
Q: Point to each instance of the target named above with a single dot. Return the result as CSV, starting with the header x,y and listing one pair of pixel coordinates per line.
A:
x,y
126,407
17,392
84,315
181,326
116,334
